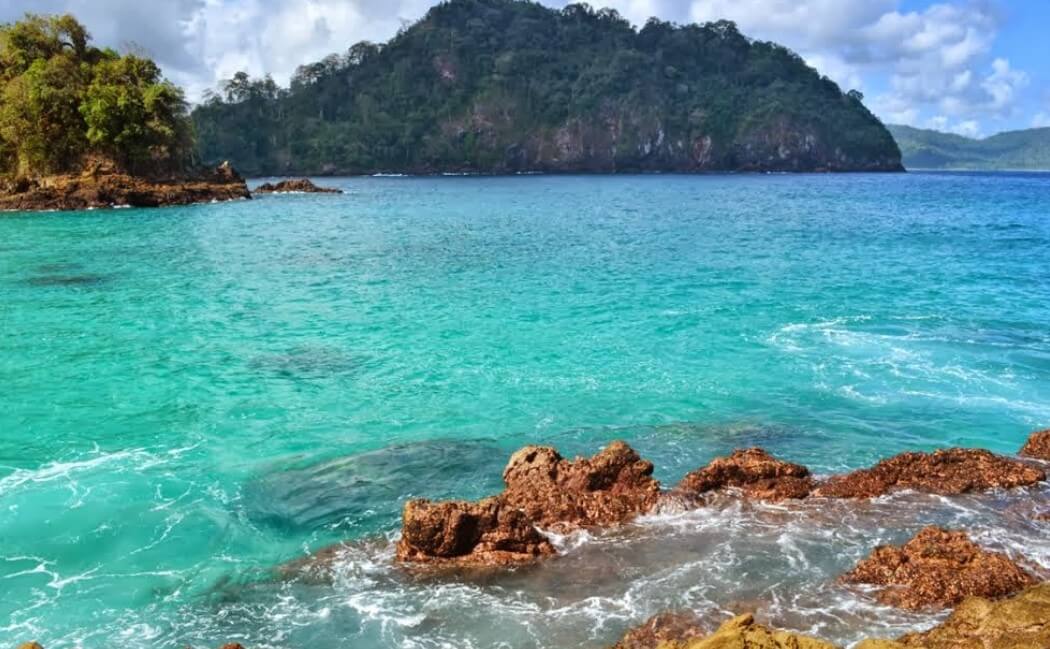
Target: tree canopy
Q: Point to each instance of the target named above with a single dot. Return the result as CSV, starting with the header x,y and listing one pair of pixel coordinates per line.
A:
x,y
63,100
503,85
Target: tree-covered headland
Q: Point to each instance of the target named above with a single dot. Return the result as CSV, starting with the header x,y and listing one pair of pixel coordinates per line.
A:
x,y
64,102
512,85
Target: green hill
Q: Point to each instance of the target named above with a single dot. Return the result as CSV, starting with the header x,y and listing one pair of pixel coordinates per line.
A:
x,y
1017,150
501,86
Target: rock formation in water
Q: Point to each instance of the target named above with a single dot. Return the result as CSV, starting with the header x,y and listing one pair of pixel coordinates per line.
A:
x,y
938,568
1038,445
753,471
946,471
1020,622
296,185
542,490
663,628
105,186
741,632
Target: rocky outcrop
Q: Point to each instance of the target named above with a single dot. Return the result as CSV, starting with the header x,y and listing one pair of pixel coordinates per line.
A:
x,y
103,186
740,632
670,627
611,487
482,533
938,568
1038,445
753,471
543,490
947,471
1020,622
296,185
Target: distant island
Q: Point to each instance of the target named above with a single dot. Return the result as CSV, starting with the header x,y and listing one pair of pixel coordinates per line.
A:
x,y
1027,149
84,127
505,86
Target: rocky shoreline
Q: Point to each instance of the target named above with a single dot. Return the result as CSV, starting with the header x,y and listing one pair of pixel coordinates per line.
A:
x,y
103,186
294,186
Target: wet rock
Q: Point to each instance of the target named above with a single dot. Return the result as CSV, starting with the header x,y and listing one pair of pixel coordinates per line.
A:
x,y
673,626
608,488
1020,622
482,533
1038,445
742,632
301,185
105,186
232,645
946,471
30,645
755,472
938,568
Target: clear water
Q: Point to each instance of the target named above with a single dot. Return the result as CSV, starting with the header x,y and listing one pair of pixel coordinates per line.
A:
x,y
191,396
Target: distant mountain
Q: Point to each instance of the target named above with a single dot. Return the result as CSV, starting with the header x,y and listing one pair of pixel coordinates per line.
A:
x,y
504,86
1018,150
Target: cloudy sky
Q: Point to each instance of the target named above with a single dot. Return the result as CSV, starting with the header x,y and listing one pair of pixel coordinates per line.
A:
x,y
975,67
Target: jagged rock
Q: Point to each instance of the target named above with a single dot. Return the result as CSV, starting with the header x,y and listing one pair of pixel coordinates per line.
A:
x,y
673,626
1038,445
101,185
295,185
30,645
610,487
755,472
1020,622
483,533
938,568
946,471
742,632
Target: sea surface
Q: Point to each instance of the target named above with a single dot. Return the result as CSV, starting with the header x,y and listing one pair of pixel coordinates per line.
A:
x,y
192,396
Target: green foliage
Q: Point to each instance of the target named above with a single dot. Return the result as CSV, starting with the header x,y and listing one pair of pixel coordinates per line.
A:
x,y
491,85
1015,150
62,99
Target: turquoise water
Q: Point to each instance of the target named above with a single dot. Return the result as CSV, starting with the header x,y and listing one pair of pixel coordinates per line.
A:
x,y
194,395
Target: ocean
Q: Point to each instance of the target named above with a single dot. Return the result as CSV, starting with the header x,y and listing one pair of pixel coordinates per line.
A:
x,y
192,396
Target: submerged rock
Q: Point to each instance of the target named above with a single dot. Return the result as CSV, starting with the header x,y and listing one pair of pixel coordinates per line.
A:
x,y
301,185
1038,445
938,568
608,488
483,533
105,186
670,627
741,632
945,472
755,472
1020,622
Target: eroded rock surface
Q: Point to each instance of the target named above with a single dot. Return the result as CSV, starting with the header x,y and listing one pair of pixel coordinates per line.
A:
x,y
302,185
1020,622
103,186
742,632
938,568
482,533
611,487
670,627
755,472
946,471
1038,445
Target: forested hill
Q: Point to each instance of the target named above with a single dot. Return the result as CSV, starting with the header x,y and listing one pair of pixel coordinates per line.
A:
x,y
498,86
1016,150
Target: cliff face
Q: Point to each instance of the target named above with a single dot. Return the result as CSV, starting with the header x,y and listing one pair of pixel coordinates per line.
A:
x,y
498,86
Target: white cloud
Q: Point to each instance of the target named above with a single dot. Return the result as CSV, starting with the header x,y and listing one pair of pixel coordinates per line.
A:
x,y
1041,120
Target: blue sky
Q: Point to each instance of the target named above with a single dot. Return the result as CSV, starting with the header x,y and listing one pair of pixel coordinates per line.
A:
x,y
974,67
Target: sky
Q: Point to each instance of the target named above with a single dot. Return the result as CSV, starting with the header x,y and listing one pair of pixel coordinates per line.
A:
x,y
973,67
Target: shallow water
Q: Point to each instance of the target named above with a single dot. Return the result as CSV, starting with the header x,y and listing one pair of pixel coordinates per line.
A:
x,y
194,395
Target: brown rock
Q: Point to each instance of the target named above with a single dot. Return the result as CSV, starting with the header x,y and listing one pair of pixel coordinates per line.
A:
x,y
1020,622
295,185
610,487
673,626
101,185
232,645
30,645
938,568
755,472
947,471
1038,445
742,632
464,533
